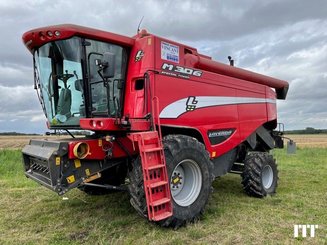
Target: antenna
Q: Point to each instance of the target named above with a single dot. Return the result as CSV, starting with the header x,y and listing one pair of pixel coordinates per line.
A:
x,y
231,61
138,27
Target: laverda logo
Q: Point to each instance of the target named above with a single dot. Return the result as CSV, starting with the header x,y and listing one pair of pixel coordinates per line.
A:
x,y
219,136
220,133
181,70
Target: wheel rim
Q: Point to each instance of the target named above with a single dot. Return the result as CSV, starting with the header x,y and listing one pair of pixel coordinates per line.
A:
x,y
267,177
186,182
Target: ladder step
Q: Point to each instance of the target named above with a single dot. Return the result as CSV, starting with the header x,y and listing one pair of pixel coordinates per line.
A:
x,y
153,149
157,184
162,216
160,201
155,167
150,135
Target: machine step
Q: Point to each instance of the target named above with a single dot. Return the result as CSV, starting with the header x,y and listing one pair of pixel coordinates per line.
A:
x,y
153,149
160,202
162,216
158,166
155,177
157,184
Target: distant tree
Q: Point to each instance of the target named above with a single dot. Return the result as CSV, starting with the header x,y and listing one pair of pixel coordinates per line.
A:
x,y
14,134
310,130
307,130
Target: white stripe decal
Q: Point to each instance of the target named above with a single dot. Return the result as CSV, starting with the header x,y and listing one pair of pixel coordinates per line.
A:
x,y
178,107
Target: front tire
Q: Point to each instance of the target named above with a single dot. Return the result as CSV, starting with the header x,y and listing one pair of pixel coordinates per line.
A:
x,y
260,175
190,173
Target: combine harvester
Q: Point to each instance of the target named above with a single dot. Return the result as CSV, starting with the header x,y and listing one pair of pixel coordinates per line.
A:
x,y
166,119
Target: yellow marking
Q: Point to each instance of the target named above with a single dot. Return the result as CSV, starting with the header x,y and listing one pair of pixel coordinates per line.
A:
x,y
77,163
87,172
176,180
70,179
81,150
213,154
149,41
93,177
100,142
57,161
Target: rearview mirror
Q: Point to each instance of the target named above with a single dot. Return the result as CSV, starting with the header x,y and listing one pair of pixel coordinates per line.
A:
x,y
108,65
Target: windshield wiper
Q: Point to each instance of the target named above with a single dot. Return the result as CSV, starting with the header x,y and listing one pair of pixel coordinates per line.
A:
x,y
37,86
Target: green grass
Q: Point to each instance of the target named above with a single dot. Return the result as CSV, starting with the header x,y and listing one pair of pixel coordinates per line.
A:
x,y
31,214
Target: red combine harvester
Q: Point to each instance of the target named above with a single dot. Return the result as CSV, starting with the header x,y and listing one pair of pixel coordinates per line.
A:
x,y
166,120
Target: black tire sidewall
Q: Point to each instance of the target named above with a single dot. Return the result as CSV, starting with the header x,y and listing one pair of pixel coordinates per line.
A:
x,y
172,160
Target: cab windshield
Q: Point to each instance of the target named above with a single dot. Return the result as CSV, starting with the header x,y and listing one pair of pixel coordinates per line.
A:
x,y
67,90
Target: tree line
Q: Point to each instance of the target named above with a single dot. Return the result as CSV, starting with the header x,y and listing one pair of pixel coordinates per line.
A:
x,y
308,130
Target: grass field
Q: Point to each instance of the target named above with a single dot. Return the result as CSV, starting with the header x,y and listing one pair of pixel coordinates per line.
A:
x,y
30,214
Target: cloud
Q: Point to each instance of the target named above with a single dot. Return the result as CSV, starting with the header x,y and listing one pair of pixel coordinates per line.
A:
x,y
14,100
15,74
284,39
38,118
295,52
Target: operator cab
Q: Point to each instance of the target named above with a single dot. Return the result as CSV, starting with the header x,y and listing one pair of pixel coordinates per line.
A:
x,y
79,78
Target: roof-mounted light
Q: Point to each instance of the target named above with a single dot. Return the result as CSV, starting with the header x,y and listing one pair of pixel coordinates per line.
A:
x,y
41,35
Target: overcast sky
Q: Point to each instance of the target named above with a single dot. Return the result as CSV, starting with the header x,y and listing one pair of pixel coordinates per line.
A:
x,y
281,38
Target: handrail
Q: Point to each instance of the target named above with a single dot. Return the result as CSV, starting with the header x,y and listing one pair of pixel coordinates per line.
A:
x,y
155,115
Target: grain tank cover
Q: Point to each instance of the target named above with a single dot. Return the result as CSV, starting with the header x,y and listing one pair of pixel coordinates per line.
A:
x,y
206,64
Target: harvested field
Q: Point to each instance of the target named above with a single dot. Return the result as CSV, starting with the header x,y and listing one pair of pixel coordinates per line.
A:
x,y
17,142
305,140
309,140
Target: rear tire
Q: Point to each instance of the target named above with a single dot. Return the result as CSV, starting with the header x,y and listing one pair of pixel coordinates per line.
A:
x,y
260,175
190,173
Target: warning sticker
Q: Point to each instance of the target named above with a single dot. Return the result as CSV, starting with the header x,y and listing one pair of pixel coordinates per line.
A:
x,y
169,52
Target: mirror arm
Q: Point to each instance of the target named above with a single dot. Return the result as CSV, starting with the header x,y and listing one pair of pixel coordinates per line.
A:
x,y
100,74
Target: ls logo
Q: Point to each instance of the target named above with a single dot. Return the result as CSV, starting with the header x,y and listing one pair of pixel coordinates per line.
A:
x,y
139,55
191,103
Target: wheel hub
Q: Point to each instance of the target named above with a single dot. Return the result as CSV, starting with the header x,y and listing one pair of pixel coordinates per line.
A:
x,y
186,182
267,176
176,180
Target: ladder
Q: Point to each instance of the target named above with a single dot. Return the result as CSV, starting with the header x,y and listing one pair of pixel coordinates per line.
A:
x,y
155,177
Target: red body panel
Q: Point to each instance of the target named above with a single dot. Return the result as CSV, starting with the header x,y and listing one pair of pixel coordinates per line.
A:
x,y
99,147
38,37
193,91
216,67
111,124
169,87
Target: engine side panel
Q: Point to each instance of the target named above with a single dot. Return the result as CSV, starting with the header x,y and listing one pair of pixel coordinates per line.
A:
x,y
225,110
